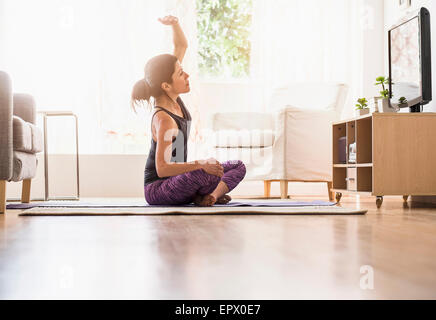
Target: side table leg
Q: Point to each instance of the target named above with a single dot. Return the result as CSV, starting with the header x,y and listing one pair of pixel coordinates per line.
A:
x,y
45,159
329,188
77,157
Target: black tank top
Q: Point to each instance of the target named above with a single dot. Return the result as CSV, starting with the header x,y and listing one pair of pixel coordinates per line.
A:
x,y
179,143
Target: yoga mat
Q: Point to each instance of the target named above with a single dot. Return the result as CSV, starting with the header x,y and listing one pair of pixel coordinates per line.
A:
x,y
193,210
245,203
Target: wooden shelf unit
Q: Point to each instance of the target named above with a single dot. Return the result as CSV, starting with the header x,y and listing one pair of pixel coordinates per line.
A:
x,y
395,155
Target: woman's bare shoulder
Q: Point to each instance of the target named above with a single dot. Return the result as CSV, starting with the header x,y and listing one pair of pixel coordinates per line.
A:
x,y
163,120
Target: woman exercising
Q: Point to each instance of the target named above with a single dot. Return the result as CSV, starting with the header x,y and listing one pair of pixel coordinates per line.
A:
x,y
168,178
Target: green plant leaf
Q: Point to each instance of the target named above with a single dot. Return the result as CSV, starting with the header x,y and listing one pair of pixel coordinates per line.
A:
x,y
223,37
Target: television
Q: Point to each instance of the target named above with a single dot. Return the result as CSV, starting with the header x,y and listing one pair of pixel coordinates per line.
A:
x,y
410,62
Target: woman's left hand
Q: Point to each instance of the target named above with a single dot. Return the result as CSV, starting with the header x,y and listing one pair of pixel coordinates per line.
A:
x,y
169,20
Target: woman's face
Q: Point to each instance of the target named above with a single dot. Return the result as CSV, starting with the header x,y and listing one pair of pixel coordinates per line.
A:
x,y
180,80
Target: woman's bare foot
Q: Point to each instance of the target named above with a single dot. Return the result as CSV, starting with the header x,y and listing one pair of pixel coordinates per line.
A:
x,y
224,199
205,201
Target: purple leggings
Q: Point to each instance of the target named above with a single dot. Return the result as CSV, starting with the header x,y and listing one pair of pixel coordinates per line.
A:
x,y
183,188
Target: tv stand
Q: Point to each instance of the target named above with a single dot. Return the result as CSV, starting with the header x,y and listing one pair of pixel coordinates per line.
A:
x,y
416,108
395,156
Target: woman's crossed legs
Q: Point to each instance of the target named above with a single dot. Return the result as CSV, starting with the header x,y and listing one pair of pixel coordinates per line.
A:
x,y
196,186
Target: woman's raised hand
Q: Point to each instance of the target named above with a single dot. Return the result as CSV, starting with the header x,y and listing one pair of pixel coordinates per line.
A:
x,y
212,166
179,39
169,20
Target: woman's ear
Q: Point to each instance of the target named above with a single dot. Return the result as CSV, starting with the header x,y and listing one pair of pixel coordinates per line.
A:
x,y
165,86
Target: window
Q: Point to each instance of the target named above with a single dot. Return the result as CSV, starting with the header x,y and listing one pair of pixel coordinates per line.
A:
x,y
223,38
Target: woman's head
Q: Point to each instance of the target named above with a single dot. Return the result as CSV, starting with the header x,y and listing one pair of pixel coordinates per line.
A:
x,y
163,75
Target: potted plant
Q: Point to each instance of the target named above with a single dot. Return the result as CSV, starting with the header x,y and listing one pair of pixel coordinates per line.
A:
x,y
402,102
383,101
362,107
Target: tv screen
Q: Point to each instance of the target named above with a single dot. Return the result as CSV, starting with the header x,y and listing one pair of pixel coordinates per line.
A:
x,y
406,62
410,61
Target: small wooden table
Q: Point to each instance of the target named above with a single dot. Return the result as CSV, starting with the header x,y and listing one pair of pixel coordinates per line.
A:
x,y
395,155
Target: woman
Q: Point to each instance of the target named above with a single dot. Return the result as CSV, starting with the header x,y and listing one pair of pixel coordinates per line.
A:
x,y
168,178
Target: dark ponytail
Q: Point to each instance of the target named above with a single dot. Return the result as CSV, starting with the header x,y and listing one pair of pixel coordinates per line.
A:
x,y
140,94
157,70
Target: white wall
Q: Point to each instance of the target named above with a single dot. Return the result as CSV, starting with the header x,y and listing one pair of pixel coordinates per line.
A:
x,y
374,61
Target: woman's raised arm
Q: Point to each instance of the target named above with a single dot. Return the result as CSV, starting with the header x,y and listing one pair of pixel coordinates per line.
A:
x,y
179,39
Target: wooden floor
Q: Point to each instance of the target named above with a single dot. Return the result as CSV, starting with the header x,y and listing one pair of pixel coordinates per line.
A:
x,y
223,257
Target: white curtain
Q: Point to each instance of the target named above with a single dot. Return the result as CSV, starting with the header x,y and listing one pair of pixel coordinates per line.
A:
x,y
307,41
85,56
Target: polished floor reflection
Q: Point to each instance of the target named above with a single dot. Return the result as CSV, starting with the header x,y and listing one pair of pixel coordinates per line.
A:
x,y
389,253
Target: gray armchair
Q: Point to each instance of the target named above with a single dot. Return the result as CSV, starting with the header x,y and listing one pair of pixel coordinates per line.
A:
x,y
20,140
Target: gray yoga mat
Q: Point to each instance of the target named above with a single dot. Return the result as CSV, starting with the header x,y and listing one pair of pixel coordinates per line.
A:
x,y
245,203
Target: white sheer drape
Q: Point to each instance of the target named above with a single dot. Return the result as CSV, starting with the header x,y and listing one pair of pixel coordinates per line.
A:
x,y
85,56
306,41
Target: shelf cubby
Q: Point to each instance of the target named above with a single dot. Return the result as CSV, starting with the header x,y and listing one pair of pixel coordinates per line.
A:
x,y
339,176
364,179
364,140
339,131
351,137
